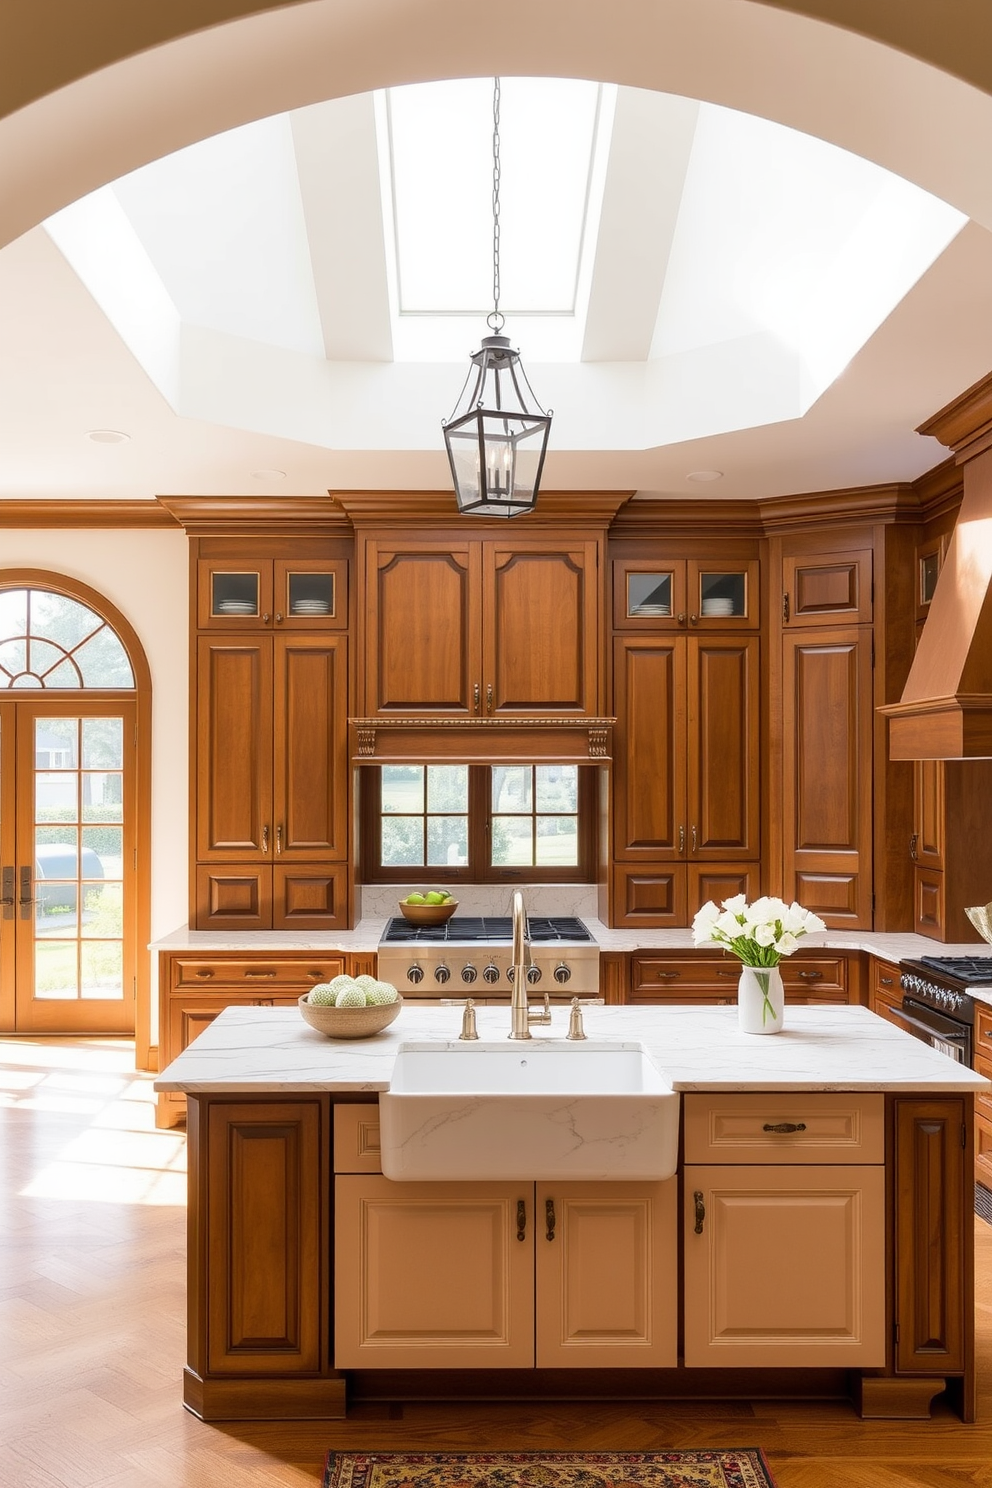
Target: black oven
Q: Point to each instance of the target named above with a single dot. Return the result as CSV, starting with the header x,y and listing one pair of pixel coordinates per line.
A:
x,y
937,1029
937,1005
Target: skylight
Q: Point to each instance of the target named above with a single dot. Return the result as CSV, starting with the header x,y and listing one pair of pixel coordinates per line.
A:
x,y
437,187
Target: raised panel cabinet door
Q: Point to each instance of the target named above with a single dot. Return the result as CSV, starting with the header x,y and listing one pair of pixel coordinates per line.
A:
x,y
422,629
928,817
649,894
433,1275
233,896
260,1256
827,710
607,1275
310,748
784,1266
724,819
827,588
541,628
234,748
649,770
934,1235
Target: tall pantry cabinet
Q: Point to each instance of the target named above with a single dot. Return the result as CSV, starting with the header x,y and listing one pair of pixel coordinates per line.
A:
x,y
270,828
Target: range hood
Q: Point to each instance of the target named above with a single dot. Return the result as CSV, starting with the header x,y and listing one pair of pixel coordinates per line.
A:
x,y
946,707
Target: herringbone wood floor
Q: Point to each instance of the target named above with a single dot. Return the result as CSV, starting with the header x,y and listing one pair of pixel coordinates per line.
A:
x,y
92,1333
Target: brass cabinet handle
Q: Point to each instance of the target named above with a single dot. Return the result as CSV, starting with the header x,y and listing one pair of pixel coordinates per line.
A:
x,y
700,1208
318,976
681,617
521,1220
265,839
785,607
279,838
810,976
693,619
784,1128
279,618
266,618
681,839
733,974
694,839
667,976
489,697
549,1217
913,843
205,972
476,696
886,981
251,974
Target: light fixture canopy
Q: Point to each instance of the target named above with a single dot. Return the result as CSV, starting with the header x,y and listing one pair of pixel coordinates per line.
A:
x,y
497,434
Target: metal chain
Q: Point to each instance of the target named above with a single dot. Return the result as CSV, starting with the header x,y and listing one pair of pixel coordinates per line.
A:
x,y
495,320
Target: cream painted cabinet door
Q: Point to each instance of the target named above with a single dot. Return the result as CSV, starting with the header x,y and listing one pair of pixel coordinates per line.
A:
x,y
433,1275
784,1266
607,1275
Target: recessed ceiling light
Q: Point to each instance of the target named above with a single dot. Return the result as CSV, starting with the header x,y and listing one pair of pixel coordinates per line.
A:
x,y
705,475
107,436
268,475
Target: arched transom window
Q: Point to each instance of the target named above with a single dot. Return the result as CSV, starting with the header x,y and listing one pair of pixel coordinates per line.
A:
x,y
48,640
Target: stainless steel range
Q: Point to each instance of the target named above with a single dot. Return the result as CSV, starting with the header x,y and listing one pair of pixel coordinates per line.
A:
x,y
471,957
937,1005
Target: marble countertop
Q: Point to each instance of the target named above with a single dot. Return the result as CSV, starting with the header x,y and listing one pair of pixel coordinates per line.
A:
x,y
259,1050
366,935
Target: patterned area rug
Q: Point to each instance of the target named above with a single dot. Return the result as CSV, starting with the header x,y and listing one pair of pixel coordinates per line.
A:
x,y
740,1467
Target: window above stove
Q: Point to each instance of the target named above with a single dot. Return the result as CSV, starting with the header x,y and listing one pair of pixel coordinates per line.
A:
x,y
521,823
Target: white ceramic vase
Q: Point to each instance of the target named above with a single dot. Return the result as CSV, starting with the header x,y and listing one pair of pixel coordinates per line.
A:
x,y
760,1000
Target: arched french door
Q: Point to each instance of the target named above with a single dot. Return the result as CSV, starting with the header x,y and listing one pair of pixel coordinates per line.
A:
x,y
70,805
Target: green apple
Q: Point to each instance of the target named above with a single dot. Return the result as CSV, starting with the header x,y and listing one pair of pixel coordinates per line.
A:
x,y
434,897
414,899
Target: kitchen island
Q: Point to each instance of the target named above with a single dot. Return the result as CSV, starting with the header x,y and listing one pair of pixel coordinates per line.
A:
x,y
821,1221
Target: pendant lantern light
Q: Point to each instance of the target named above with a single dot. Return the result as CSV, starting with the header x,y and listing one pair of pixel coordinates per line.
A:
x,y
497,434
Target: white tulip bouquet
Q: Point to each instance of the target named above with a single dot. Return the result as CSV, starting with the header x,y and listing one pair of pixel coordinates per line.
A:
x,y
758,934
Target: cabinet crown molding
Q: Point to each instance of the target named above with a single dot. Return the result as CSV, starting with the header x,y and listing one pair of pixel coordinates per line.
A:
x,y
413,508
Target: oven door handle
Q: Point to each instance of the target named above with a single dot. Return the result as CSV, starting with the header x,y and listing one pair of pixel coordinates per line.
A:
x,y
949,1038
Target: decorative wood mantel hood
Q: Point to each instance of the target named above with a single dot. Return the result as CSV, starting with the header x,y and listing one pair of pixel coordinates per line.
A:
x,y
946,707
472,741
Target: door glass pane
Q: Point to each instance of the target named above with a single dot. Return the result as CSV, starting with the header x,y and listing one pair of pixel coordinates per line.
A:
x,y
234,593
310,594
722,594
79,918
48,640
649,594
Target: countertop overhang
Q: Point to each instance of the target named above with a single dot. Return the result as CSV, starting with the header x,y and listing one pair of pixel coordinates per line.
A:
x,y
271,1050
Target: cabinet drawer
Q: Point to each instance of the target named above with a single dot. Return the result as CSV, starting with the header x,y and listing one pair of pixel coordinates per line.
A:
x,y
356,1139
816,976
666,976
885,981
255,974
741,1128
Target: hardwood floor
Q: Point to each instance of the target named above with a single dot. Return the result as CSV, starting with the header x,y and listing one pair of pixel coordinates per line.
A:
x,y
92,1337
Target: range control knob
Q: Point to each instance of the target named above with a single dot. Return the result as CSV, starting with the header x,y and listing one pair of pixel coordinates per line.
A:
x,y
469,973
490,973
533,973
562,972
415,974
442,974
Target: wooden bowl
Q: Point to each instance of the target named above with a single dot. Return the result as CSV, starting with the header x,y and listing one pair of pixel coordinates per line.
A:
x,y
350,1022
428,914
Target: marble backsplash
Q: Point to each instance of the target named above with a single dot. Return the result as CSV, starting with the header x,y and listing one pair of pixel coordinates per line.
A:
x,y
379,901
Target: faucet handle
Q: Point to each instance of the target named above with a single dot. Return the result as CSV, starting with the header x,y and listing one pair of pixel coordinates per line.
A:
x,y
575,1028
469,1030
544,1016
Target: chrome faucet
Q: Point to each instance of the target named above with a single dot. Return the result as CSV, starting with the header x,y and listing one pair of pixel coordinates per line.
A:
x,y
520,1016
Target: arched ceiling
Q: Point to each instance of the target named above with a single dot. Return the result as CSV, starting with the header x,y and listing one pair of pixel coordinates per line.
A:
x,y
89,93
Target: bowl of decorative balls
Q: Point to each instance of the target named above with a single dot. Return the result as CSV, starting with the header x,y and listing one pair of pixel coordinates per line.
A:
x,y
351,1007
432,907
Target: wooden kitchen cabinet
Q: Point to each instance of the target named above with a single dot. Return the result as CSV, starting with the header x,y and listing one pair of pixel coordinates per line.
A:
x,y
686,785
193,989
951,846
710,977
784,1238
276,585
657,591
482,628
271,786
501,1275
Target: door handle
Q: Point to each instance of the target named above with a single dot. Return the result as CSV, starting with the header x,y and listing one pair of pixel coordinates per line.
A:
x,y
489,697
521,1220
476,696
265,839
26,900
694,839
700,1210
912,846
8,894
681,839
549,1217
251,974
279,839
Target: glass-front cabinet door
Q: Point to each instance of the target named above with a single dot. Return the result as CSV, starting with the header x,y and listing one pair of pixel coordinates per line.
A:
x,y
685,594
249,591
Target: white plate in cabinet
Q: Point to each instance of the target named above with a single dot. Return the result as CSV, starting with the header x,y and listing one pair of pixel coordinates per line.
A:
x,y
805,1127
784,1266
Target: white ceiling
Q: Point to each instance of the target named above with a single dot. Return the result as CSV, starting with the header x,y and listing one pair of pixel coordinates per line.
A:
x,y
750,300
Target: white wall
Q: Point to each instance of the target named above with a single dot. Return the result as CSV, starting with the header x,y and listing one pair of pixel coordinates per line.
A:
x,y
146,575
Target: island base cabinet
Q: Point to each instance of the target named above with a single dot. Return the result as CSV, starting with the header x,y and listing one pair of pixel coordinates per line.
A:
x,y
784,1266
504,1275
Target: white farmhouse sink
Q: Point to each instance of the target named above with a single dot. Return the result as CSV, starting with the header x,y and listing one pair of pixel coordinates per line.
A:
x,y
524,1110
